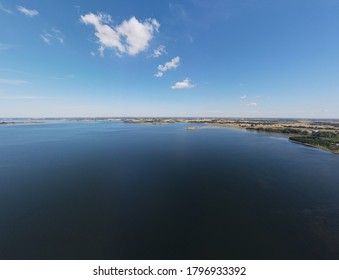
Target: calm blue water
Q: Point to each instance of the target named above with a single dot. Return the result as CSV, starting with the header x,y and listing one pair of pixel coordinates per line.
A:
x,y
109,190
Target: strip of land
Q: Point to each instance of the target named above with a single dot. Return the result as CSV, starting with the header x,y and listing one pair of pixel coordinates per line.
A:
x,y
323,134
19,122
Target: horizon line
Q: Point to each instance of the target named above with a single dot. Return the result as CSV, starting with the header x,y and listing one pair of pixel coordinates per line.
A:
x,y
177,117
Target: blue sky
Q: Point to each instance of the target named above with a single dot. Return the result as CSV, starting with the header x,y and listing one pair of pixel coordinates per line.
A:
x,y
218,58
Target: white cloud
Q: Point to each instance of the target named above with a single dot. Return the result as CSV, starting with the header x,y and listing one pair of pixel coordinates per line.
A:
x,y
159,74
184,84
107,36
12,82
46,38
52,35
245,101
27,12
131,36
159,51
2,8
137,34
174,63
101,50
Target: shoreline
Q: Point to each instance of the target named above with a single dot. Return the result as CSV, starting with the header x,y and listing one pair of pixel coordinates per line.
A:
x,y
325,133
20,123
320,134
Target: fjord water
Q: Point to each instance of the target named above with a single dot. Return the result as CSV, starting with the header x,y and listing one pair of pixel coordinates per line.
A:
x,y
110,190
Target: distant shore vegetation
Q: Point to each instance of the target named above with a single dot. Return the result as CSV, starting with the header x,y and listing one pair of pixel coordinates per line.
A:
x,y
323,134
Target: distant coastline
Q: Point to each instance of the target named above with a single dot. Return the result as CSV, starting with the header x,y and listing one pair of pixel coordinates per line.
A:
x,y
317,133
323,134
20,123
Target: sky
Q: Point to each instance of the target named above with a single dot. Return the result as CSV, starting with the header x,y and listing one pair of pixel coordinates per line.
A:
x,y
188,58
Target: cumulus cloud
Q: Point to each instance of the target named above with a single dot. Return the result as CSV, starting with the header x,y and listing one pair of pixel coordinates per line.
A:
x,y
184,84
174,63
137,34
243,97
159,51
12,82
52,35
27,12
131,36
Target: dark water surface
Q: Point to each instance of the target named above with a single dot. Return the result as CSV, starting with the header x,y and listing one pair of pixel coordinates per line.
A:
x,y
110,190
